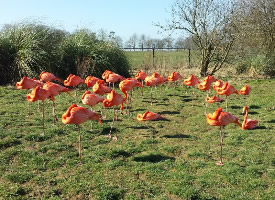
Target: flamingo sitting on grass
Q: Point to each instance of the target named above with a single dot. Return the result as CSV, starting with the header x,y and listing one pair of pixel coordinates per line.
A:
x,y
213,99
221,119
77,115
248,123
149,116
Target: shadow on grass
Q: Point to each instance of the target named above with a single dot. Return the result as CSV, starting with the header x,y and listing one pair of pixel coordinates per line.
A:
x,y
153,158
139,127
106,131
139,109
169,112
254,107
253,112
162,104
260,127
177,136
236,107
271,121
187,100
110,120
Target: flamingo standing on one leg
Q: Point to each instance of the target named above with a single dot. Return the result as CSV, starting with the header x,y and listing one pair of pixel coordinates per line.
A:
x,y
113,78
77,115
90,81
55,89
151,81
141,76
221,119
226,90
113,99
38,93
74,80
248,123
174,77
91,99
192,81
245,91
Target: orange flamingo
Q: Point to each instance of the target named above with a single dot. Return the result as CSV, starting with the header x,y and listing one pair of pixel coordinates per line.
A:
x,y
106,74
77,115
174,76
113,78
91,99
213,99
90,81
113,100
226,90
149,116
141,76
46,76
38,93
245,91
192,81
127,85
248,123
55,89
74,80
151,81
100,88
27,83
217,85
221,119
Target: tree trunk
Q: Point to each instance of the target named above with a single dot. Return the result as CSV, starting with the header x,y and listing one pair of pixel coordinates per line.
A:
x,y
206,56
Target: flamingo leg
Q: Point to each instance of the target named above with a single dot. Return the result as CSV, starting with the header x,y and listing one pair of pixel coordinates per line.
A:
x,y
151,97
91,121
142,88
79,144
43,118
226,103
193,95
113,85
221,143
55,119
115,138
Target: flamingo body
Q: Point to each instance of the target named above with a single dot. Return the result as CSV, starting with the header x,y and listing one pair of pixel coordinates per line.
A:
x,y
113,99
191,81
141,75
38,93
90,81
213,99
77,115
218,84
150,81
46,76
106,74
127,85
174,76
55,89
206,83
148,116
248,123
227,90
73,80
91,99
245,90
27,83
100,88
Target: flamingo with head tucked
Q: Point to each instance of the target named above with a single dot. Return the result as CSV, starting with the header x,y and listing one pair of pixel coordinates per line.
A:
x,y
38,93
113,78
77,115
149,116
113,100
192,81
100,88
248,123
73,81
90,81
91,99
141,76
151,81
226,90
221,119
47,76
245,91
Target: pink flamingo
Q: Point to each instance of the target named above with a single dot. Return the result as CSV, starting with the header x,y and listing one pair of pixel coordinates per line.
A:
x,y
77,115
46,76
141,76
192,81
73,81
90,81
151,81
248,123
149,116
221,119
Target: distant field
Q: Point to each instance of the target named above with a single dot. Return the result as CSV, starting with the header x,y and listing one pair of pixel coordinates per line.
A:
x,y
171,159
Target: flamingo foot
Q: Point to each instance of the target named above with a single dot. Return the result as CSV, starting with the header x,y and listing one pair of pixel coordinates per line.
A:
x,y
219,163
115,138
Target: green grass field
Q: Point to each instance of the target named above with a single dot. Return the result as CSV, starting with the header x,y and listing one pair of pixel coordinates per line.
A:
x,y
167,159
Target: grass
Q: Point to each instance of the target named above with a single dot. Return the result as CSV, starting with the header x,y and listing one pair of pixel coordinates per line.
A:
x,y
167,159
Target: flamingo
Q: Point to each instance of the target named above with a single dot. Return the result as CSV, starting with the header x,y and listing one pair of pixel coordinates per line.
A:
x,y
26,84
73,80
151,81
113,99
38,93
227,90
55,89
106,74
221,119
174,77
91,99
77,115
245,91
90,81
149,116
192,81
217,85
141,76
213,99
113,78
127,85
46,76
100,88
248,123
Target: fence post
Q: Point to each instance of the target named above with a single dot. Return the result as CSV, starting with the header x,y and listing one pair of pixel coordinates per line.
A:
x,y
189,57
153,56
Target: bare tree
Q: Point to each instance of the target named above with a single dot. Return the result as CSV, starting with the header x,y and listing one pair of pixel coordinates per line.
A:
x,y
209,24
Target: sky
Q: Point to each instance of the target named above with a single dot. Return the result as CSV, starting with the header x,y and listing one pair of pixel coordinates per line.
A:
x,y
124,17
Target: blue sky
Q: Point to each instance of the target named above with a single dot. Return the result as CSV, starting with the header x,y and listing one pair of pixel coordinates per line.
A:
x,y
124,17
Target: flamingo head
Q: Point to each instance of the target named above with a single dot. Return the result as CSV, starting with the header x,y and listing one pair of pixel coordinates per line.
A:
x,y
244,110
